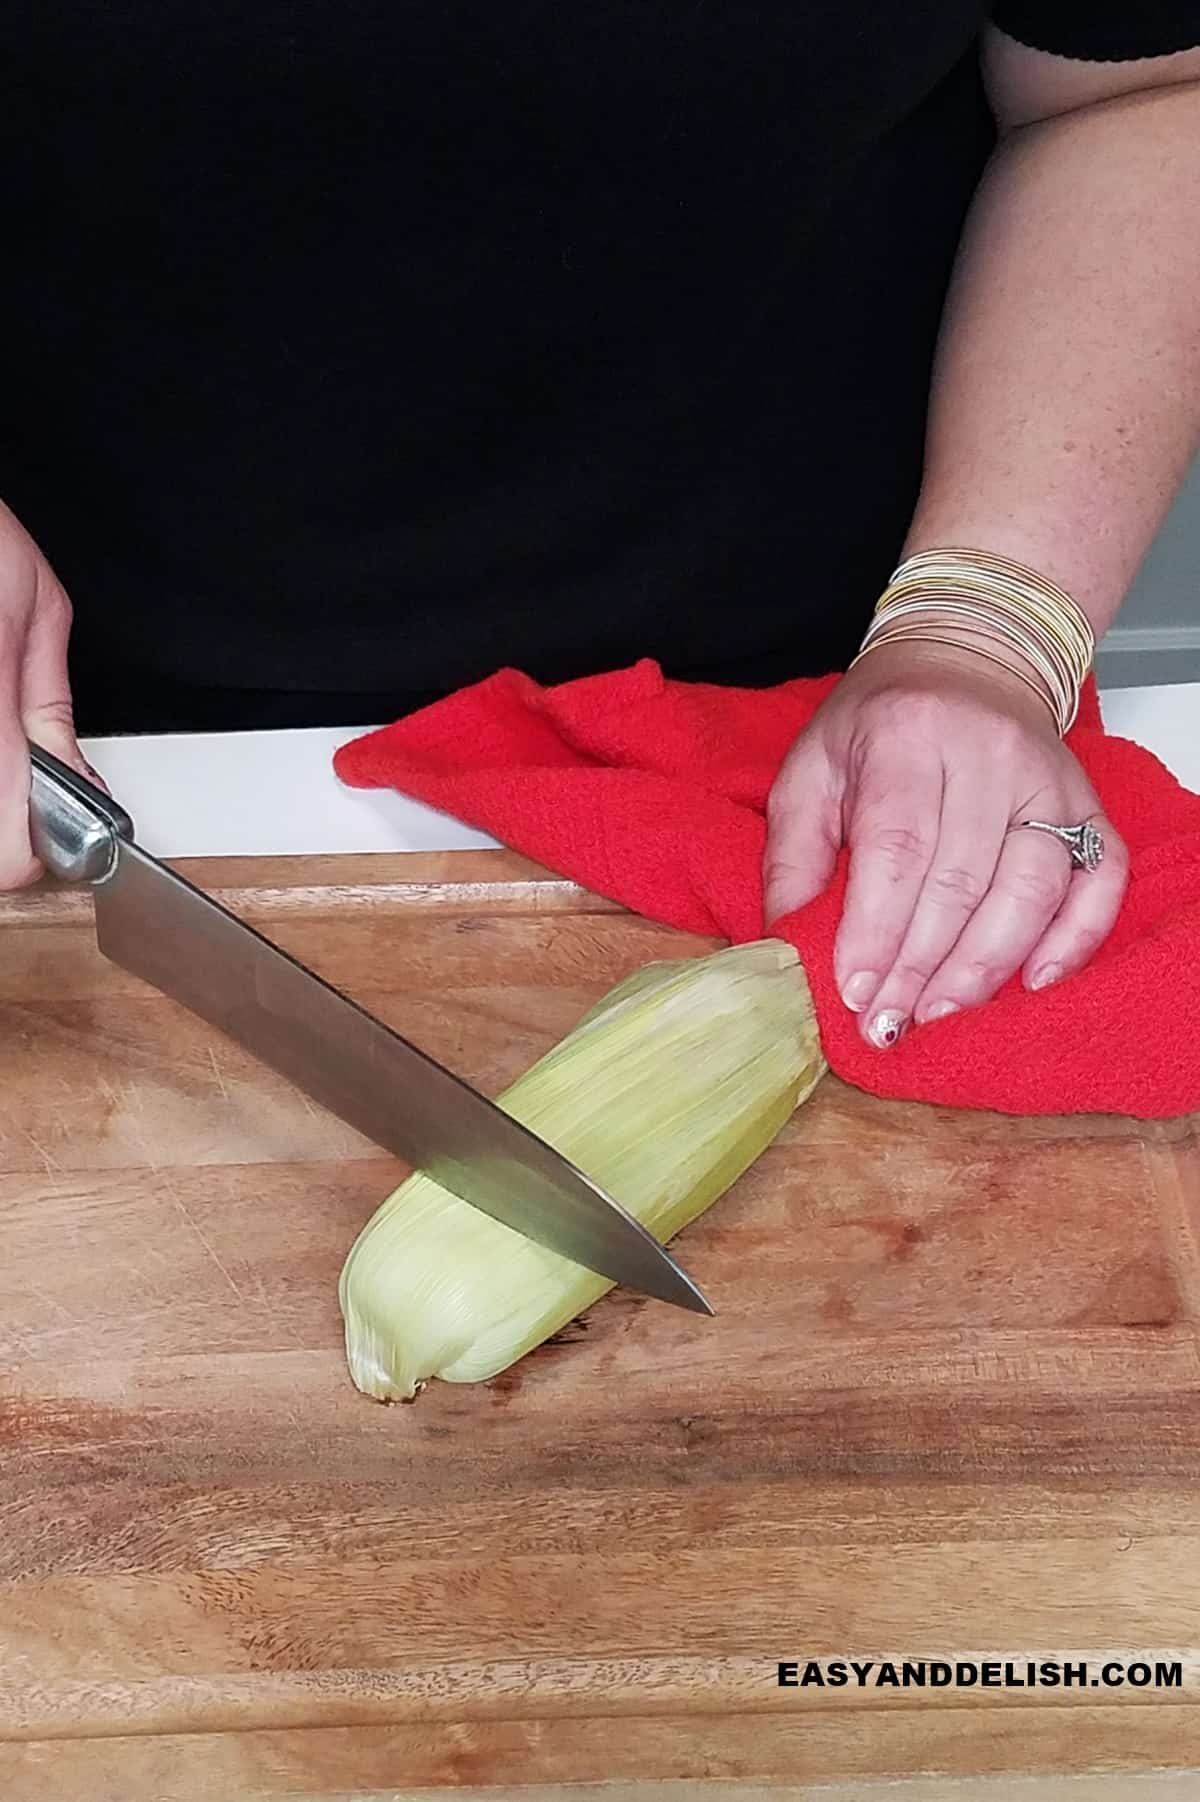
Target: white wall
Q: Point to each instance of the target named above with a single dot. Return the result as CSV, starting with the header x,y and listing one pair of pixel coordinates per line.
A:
x,y
1157,638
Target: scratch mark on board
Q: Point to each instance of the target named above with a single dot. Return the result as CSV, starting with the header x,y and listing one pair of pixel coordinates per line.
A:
x,y
177,1203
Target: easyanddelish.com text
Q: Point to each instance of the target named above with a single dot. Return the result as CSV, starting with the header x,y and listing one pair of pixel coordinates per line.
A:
x,y
945,1673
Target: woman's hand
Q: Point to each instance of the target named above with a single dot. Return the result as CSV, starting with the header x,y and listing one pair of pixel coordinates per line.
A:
x,y
35,692
921,761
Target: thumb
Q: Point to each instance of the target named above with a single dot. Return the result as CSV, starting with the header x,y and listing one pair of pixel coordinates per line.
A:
x,y
804,832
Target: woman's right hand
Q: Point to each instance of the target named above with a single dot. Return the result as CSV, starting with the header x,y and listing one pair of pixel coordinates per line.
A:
x,y
35,689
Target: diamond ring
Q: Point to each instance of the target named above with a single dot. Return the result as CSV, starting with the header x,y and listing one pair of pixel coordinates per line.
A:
x,y
1084,842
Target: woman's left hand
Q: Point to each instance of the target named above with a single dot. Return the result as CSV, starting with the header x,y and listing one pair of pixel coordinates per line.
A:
x,y
921,761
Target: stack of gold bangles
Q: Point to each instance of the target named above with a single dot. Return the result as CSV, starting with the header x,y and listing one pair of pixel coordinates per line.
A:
x,y
957,597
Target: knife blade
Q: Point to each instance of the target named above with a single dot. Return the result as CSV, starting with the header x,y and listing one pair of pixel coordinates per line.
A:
x,y
161,928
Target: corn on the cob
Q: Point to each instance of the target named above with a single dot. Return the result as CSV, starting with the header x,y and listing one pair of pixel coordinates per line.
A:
x,y
664,1093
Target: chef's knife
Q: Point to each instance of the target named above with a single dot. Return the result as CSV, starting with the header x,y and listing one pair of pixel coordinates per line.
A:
x,y
160,928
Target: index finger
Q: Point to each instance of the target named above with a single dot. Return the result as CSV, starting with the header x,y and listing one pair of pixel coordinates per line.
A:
x,y
891,833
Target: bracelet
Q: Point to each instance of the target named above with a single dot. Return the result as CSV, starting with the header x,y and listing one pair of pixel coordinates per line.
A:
x,y
1040,654
1049,633
1032,629
915,636
935,594
1038,619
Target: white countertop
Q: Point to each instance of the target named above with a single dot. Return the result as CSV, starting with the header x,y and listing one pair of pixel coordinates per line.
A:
x,y
275,793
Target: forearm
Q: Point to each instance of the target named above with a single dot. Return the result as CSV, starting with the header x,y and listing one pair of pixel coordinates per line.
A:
x,y
1066,398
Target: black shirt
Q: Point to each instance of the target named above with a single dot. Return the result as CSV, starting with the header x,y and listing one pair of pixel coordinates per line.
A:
x,y
356,348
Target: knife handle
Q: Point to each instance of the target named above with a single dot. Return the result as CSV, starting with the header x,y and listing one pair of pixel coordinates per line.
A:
x,y
74,826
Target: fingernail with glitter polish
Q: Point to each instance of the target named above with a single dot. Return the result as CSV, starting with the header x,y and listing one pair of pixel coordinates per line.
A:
x,y
886,1028
859,989
1041,979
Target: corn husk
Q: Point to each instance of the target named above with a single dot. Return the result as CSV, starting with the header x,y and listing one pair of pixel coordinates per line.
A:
x,y
664,1093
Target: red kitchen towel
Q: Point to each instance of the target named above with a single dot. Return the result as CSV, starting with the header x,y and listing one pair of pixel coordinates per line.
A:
x,y
652,792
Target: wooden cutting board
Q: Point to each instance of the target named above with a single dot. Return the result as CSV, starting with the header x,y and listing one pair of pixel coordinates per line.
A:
x,y
948,1410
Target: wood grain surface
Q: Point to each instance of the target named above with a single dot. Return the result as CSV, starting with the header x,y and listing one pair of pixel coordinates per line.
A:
x,y
948,1409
